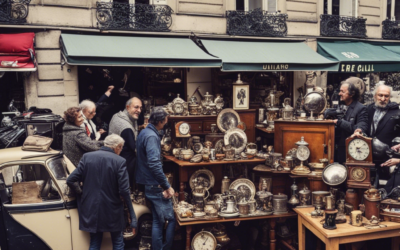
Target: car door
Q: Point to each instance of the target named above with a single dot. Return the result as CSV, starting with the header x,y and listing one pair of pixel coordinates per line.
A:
x,y
33,208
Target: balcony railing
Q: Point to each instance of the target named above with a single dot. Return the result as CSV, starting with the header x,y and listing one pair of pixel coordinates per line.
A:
x,y
125,16
391,29
14,11
256,23
334,25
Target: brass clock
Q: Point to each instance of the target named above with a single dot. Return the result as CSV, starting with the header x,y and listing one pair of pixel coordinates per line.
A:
x,y
359,161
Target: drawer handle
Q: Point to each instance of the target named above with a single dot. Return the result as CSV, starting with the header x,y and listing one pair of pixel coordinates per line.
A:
x,y
199,126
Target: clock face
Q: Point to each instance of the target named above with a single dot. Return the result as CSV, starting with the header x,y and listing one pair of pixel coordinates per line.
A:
x,y
197,147
358,174
204,241
178,108
184,129
358,149
302,153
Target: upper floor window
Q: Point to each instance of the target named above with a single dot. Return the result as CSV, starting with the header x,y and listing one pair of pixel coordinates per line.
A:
x,y
267,5
341,7
393,10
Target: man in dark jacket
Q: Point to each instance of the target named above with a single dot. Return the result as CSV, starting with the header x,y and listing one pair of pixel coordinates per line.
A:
x,y
104,177
381,126
355,118
149,172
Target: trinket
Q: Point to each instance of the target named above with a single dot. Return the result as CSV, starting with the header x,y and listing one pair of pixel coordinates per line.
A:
x,y
330,219
356,218
279,203
293,201
305,197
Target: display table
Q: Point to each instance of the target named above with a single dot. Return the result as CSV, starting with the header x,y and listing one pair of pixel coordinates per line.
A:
x,y
345,233
271,218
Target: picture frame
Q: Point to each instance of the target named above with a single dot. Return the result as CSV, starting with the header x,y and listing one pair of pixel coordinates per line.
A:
x,y
267,181
241,96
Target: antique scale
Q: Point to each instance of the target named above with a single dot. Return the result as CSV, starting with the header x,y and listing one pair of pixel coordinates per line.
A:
x,y
359,161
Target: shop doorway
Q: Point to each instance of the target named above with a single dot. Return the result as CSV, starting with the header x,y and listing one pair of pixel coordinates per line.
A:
x,y
12,88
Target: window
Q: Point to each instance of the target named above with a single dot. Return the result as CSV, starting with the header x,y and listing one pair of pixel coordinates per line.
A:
x,y
341,7
267,5
393,10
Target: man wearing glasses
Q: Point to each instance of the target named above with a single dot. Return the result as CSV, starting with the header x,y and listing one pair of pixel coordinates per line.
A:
x,y
124,124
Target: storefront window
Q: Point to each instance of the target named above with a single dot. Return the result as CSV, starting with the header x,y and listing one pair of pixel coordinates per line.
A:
x,y
393,10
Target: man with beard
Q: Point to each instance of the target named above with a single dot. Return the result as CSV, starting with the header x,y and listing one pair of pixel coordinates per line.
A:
x,y
381,126
124,124
355,118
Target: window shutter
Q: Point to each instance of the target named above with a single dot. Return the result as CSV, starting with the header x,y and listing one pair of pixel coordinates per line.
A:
x,y
272,6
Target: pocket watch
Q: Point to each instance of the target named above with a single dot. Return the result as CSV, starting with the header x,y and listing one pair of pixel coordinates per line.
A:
x,y
204,240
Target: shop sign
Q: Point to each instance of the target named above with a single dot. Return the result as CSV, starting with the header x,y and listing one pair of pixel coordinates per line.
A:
x,y
350,68
275,66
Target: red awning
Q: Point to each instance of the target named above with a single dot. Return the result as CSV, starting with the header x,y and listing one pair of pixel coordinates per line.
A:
x,y
17,52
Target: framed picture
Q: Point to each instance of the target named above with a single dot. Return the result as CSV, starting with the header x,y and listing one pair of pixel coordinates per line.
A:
x,y
265,183
241,96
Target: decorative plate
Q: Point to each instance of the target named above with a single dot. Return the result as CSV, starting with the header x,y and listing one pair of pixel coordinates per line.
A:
x,y
204,173
227,119
334,174
315,101
218,146
242,126
244,187
228,215
236,138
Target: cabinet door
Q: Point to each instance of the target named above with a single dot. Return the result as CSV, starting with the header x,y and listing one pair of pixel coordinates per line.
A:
x,y
316,134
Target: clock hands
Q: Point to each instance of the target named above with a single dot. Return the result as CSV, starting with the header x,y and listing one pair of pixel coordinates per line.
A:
x,y
205,241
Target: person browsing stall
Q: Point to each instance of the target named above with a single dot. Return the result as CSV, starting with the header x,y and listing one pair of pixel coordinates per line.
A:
x,y
150,173
355,117
105,179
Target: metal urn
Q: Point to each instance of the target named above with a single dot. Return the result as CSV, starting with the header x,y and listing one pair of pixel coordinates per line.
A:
x,y
293,201
302,153
305,197
279,203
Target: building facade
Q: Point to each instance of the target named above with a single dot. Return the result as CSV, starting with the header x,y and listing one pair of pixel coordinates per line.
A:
x,y
55,84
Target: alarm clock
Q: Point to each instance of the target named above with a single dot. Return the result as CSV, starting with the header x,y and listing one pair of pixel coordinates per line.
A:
x,y
359,162
204,240
182,129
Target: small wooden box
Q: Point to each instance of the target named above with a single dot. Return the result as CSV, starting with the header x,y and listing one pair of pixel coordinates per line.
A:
x,y
25,193
390,216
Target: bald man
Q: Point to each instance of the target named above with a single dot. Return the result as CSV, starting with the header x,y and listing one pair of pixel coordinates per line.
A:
x,y
124,124
381,126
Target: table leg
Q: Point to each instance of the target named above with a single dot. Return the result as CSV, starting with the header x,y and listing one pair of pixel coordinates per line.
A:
x,y
302,233
272,239
188,240
182,191
332,244
395,243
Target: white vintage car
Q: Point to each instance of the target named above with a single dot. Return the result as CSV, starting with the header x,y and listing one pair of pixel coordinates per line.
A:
x,y
37,210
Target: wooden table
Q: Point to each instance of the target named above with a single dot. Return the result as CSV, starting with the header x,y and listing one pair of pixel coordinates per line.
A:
x,y
345,233
272,222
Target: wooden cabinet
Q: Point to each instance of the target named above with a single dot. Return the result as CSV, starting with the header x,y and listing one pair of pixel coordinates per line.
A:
x,y
201,124
320,136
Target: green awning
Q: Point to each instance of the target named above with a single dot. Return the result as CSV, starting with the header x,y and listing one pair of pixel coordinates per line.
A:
x,y
102,50
268,56
360,57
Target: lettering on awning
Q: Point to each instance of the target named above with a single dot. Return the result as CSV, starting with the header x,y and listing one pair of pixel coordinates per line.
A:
x,y
350,68
275,66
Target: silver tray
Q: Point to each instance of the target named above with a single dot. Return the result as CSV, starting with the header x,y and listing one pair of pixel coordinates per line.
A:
x,y
334,174
245,186
236,138
315,101
207,174
227,119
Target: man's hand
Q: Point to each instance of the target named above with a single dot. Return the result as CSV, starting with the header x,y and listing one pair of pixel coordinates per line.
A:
x,y
390,162
335,121
101,131
170,192
108,92
357,133
396,148
133,230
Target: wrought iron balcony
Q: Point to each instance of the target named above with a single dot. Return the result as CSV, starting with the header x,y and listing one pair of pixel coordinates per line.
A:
x,y
125,16
334,25
256,23
391,29
14,11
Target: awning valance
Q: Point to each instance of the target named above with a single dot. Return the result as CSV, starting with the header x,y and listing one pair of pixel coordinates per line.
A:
x,y
17,52
268,56
360,57
104,50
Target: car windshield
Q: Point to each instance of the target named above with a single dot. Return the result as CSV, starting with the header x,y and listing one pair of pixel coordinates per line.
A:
x,y
57,167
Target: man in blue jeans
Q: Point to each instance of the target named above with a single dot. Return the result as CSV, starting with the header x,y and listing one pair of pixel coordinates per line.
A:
x,y
149,172
105,179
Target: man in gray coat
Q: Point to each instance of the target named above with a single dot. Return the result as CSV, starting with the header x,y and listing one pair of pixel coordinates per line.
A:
x,y
124,124
104,177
